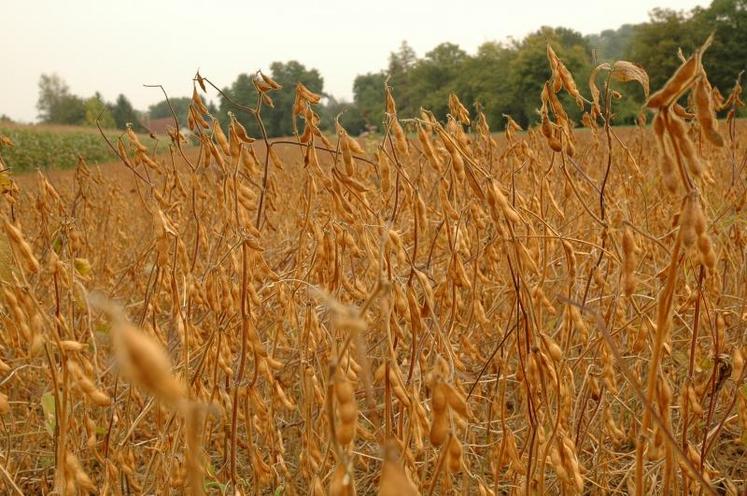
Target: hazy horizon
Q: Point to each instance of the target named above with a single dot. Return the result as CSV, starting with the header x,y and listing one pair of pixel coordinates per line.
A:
x,y
116,48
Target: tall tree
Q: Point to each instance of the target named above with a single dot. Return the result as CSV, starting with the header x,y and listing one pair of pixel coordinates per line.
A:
x,y
243,92
162,109
434,77
483,81
124,113
399,72
655,43
349,115
56,104
727,57
401,61
98,111
277,120
368,96
530,69
611,44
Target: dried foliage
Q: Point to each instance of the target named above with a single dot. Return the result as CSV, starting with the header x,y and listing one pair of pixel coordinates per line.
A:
x,y
440,311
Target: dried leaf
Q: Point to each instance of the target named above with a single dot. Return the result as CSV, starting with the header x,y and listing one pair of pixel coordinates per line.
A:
x,y
625,71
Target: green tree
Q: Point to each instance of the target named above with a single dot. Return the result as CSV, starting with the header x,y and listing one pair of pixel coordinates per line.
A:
x,y
399,72
368,97
530,69
508,78
277,120
434,77
241,91
123,113
655,43
611,44
161,109
727,56
97,110
56,104
483,82
349,114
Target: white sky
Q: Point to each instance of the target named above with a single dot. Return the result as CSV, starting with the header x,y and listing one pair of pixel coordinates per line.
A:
x,y
116,47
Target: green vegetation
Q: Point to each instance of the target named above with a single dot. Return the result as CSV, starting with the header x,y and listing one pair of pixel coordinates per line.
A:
x,y
162,109
180,106
56,105
55,146
123,112
503,78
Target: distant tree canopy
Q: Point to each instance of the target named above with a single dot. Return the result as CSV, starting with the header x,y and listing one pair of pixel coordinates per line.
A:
x,y
349,115
369,97
500,78
56,105
506,78
123,113
162,109
727,19
277,121
98,110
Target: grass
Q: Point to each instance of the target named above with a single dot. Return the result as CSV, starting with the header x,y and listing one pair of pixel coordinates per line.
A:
x,y
55,147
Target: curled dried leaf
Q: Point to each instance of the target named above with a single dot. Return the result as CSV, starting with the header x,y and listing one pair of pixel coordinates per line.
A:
x,y
625,71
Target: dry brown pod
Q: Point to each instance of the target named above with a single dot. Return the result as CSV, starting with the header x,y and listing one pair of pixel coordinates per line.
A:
x,y
98,397
21,246
458,110
347,410
677,85
630,249
306,94
454,455
393,480
439,428
737,364
681,80
704,110
271,82
341,483
562,77
4,404
141,358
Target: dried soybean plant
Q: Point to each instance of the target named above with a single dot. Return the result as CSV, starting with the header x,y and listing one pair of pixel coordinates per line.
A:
x,y
446,310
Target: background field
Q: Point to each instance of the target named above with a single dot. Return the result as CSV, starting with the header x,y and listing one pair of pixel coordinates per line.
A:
x,y
57,146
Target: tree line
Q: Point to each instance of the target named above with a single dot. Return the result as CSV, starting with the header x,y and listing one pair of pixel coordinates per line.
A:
x,y
507,78
57,105
501,78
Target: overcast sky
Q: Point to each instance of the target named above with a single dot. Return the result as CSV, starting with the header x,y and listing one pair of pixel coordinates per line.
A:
x,y
116,47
